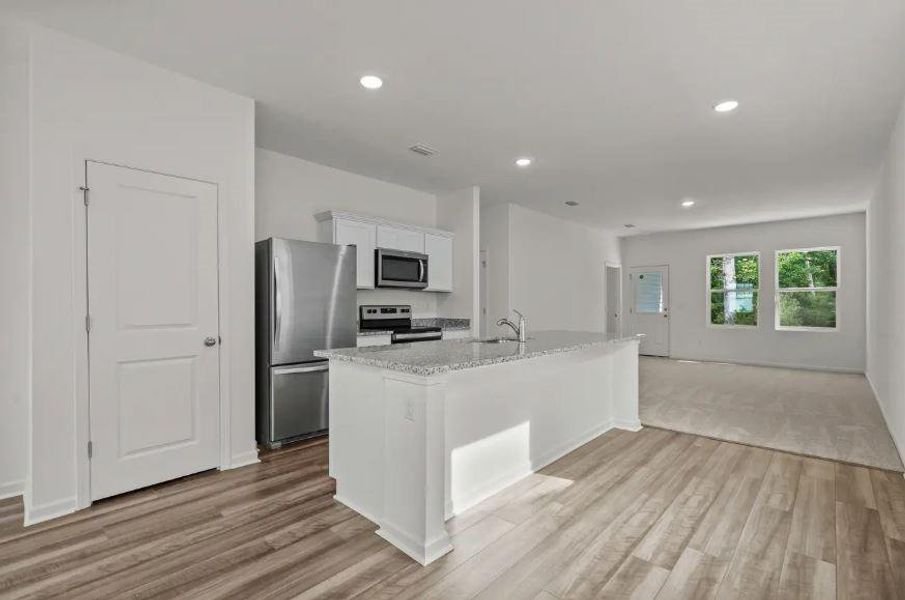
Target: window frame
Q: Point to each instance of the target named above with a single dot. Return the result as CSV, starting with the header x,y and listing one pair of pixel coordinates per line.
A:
x,y
777,290
711,291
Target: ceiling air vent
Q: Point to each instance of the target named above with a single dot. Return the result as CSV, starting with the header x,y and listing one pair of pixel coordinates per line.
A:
x,y
423,150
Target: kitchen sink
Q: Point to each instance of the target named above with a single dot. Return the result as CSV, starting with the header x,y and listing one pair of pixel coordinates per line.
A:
x,y
497,340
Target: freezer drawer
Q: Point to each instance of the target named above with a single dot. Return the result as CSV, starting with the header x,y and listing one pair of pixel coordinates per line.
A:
x,y
299,396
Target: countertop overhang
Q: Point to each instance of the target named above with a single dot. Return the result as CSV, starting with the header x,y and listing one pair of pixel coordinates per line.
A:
x,y
433,358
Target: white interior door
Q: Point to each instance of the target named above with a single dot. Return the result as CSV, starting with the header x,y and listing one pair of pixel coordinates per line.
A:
x,y
650,308
153,338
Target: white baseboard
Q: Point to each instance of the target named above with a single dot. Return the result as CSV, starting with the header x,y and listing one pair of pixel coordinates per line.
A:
x,y
478,494
899,444
759,363
365,513
556,453
243,459
11,489
488,489
49,510
425,554
633,425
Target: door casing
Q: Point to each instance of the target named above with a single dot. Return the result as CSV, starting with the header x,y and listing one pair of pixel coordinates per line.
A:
x,y
80,310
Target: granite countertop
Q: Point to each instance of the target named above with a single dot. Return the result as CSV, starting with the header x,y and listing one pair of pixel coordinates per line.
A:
x,y
432,358
444,323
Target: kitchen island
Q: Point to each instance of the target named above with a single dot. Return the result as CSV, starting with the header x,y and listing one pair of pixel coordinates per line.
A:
x,y
421,432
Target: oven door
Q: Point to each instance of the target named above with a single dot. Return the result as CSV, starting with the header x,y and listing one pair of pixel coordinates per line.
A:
x,y
400,269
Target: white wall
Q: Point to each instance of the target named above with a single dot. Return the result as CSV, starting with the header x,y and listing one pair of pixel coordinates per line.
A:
x,y
289,191
15,257
554,269
88,102
886,288
459,212
685,253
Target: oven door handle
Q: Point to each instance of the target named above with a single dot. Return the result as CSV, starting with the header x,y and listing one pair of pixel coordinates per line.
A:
x,y
427,336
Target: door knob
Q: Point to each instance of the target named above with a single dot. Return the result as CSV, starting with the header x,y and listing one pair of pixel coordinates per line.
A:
x,y
210,341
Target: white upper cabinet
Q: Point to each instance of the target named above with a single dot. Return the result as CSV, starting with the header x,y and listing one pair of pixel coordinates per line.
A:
x,y
370,233
439,250
400,239
359,234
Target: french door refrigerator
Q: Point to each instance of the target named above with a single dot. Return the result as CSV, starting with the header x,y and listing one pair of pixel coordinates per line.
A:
x,y
305,300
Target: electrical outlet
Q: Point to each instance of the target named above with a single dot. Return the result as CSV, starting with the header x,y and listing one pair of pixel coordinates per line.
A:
x,y
410,410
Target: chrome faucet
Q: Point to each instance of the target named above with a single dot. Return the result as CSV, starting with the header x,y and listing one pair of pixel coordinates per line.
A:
x,y
521,330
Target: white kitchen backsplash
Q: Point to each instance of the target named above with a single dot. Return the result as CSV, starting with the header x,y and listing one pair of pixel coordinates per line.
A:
x,y
424,304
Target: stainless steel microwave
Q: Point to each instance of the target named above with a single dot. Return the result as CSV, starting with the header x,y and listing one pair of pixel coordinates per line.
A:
x,y
400,269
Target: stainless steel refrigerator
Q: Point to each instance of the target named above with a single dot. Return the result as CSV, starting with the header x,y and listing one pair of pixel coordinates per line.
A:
x,y
305,300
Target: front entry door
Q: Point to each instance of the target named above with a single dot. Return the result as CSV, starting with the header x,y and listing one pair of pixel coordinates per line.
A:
x,y
153,334
650,308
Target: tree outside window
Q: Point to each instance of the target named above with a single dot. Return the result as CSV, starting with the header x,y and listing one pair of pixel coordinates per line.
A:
x,y
806,286
732,289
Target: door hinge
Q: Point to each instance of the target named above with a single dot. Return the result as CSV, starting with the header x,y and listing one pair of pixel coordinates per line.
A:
x,y
88,323
90,450
85,189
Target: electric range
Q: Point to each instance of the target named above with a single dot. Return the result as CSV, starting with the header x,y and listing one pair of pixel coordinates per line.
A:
x,y
396,318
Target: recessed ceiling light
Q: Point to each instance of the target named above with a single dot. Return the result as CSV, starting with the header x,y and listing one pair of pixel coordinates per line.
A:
x,y
571,203
523,161
725,106
629,226
372,82
687,203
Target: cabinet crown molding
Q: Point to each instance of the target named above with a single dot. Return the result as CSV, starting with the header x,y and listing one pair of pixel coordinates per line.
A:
x,y
328,215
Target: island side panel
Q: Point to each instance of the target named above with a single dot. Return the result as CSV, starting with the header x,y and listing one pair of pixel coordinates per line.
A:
x,y
414,466
625,386
508,420
356,445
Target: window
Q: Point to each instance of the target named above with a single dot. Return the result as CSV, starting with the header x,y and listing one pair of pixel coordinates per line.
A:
x,y
732,287
649,292
806,284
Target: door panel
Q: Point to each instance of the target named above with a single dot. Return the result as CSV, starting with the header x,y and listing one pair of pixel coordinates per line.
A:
x,y
364,237
157,407
439,252
650,308
314,299
300,400
152,295
399,239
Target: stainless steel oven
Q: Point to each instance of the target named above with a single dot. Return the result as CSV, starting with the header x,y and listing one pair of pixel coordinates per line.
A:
x,y
400,269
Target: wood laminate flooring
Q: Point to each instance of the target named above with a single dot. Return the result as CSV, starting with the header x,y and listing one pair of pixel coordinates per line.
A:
x,y
652,514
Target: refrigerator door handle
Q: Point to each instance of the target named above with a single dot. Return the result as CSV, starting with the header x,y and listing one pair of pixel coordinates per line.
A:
x,y
292,370
277,304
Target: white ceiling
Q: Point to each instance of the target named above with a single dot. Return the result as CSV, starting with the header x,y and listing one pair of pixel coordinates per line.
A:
x,y
612,98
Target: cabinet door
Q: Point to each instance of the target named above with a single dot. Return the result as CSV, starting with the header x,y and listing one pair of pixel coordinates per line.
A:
x,y
439,263
362,235
399,239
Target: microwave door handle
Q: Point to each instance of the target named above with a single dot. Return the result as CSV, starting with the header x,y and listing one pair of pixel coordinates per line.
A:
x,y
420,269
